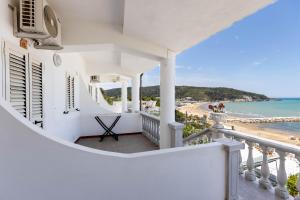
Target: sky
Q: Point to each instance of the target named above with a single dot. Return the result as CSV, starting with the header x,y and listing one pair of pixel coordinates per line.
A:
x,y
260,53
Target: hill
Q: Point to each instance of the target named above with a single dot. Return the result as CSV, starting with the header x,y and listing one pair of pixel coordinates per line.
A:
x,y
196,93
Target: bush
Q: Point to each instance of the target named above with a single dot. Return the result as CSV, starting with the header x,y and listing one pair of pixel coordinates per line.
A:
x,y
291,185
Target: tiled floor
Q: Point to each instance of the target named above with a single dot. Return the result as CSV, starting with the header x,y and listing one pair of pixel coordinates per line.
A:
x,y
127,143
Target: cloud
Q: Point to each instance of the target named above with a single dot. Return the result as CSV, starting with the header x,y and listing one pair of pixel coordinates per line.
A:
x,y
260,62
256,63
236,37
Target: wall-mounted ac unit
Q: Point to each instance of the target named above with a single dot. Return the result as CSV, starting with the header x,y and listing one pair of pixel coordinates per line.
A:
x,y
38,21
95,79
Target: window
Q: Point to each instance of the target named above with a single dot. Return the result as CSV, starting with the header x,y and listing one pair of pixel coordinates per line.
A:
x,y
70,93
24,83
36,92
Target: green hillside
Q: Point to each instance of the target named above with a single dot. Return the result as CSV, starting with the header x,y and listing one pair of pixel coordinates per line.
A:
x,y
196,93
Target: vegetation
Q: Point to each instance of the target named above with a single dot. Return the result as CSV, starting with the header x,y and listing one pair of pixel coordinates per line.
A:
x,y
291,184
196,93
110,100
193,123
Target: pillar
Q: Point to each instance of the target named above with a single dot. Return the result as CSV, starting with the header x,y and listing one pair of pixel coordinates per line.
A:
x,y
135,93
167,98
124,97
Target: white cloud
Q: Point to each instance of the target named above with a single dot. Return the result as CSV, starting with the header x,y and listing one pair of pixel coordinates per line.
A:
x,y
256,63
260,62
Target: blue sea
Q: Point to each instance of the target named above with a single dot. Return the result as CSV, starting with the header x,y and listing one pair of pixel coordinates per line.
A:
x,y
285,107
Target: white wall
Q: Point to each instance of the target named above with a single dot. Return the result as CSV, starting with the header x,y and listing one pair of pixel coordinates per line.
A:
x,y
55,122
37,167
129,122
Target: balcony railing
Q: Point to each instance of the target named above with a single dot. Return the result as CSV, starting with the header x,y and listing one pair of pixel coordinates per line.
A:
x,y
267,148
150,125
265,145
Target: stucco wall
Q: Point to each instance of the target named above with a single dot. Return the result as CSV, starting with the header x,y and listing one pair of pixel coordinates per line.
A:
x,y
56,123
35,167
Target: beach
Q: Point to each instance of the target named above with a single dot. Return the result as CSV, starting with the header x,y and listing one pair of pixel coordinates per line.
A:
x,y
200,109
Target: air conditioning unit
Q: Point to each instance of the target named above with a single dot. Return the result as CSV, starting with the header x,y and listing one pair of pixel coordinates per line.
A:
x,y
95,79
116,79
37,20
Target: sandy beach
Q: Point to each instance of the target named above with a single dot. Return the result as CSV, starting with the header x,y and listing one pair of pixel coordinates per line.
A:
x,y
200,110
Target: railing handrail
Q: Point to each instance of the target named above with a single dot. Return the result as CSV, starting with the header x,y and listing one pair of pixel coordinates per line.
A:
x,y
288,148
150,116
195,135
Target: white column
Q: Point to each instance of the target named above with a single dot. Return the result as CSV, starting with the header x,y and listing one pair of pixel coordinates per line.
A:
x,y
167,98
124,96
135,93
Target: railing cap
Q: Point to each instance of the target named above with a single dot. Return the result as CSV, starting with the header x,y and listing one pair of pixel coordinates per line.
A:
x,y
176,126
279,146
150,116
230,145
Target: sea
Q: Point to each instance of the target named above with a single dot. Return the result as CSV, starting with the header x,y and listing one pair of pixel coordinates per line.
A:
x,y
283,107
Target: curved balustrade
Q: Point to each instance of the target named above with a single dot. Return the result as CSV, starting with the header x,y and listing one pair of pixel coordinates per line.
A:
x,y
266,145
150,126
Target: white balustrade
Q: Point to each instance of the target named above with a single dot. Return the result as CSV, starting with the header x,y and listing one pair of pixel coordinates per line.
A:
x,y
250,173
281,190
265,145
241,170
264,181
150,125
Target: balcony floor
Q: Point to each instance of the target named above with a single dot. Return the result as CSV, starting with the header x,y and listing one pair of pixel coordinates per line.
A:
x,y
251,190
132,143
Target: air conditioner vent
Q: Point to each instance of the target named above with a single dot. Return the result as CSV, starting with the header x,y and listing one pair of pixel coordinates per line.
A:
x,y
27,8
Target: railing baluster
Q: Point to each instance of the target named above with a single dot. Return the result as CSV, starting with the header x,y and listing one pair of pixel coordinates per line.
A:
x,y
250,173
241,169
264,181
298,181
150,125
280,189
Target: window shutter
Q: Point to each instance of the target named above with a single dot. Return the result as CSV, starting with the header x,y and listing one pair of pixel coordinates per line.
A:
x,y
36,89
68,92
17,81
72,93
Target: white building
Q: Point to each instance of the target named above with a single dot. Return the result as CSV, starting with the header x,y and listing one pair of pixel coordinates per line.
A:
x,y
116,40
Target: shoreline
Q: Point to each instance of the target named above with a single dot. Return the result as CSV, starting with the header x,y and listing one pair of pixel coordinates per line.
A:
x,y
249,128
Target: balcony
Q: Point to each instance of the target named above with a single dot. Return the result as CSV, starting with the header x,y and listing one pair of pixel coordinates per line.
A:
x,y
263,165
129,143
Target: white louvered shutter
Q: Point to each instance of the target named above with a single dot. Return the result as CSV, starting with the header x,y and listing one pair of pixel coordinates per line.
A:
x,y
17,80
72,92
36,92
68,92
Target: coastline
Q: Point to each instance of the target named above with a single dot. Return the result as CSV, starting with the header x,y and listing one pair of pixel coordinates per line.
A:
x,y
200,109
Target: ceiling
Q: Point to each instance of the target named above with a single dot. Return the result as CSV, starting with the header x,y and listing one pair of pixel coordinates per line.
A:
x,y
102,11
179,24
152,27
